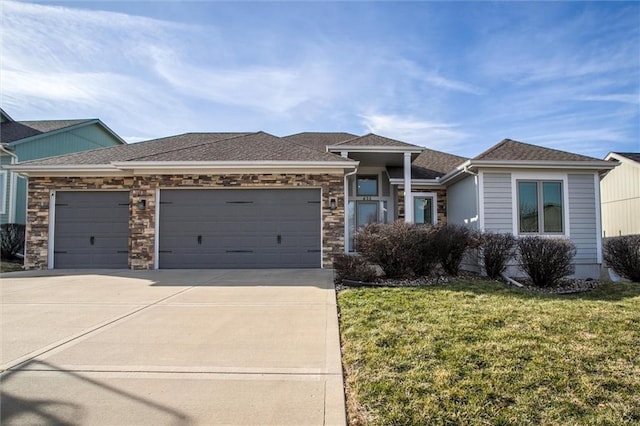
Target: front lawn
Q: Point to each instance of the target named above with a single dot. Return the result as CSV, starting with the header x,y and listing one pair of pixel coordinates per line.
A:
x,y
482,353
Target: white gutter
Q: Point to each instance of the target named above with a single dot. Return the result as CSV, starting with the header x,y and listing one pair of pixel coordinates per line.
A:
x,y
142,165
12,185
375,148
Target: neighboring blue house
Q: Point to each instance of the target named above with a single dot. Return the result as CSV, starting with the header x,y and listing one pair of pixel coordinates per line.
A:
x,y
32,140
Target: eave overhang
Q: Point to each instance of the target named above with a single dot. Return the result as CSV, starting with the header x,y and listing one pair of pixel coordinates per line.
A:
x,y
376,148
472,166
130,168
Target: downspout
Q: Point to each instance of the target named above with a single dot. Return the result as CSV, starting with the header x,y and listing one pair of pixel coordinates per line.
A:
x,y
346,208
12,183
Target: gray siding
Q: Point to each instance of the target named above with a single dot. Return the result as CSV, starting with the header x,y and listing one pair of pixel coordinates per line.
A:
x,y
498,215
582,217
462,203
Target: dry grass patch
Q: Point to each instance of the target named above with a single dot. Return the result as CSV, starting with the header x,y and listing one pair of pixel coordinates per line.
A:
x,y
479,353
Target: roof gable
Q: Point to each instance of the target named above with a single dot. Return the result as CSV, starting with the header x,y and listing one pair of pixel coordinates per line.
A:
x,y
510,150
13,131
633,156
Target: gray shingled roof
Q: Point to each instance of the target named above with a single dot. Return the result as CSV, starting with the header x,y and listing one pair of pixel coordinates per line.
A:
x,y
375,140
513,150
258,146
11,131
635,156
319,140
436,162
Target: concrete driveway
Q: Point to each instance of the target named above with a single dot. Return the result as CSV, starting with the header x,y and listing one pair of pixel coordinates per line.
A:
x,y
177,347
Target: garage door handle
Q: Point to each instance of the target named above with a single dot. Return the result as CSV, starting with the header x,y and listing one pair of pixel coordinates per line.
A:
x,y
279,239
199,239
92,240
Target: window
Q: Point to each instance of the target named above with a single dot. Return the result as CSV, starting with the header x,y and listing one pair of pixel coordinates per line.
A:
x,y
367,186
540,207
423,210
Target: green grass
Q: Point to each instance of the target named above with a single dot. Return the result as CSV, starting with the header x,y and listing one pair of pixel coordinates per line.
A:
x,y
9,267
482,353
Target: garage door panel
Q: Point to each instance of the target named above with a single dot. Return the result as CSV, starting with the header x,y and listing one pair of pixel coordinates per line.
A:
x,y
240,228
91,229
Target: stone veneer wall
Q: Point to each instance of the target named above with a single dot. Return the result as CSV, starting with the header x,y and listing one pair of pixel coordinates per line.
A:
x,y
442,202
142,222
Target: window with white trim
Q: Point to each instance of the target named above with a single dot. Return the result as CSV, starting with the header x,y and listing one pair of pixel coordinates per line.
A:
x,y
424,209
540,207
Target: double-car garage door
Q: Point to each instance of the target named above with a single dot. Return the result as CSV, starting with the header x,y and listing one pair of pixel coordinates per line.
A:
x,y
197,228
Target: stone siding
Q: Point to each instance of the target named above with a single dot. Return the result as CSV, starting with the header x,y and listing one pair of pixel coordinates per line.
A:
x,y
142,221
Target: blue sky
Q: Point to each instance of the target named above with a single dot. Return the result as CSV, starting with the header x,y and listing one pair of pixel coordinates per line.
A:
x,y
453,76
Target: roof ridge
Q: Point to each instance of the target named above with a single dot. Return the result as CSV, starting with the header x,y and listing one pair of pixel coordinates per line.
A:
x,y
494,147
192,146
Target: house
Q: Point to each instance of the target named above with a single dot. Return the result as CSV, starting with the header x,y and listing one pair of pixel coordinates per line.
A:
x,y
30,140
621,195
254,200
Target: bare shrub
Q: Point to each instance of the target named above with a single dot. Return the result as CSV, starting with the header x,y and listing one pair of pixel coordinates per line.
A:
x,y
546,260
495,252
353,267
395,247
450,243
11,239
622,254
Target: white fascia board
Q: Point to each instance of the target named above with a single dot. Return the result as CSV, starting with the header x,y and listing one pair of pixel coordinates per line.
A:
x,y
65,170
541,164
224,167
382,149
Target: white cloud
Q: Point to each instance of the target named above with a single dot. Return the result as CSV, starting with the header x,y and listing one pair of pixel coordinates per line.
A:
x,y
622,98
439,136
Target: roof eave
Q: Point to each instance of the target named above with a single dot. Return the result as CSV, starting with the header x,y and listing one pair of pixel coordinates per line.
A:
x,y
141,165
66,129
382,149
620,159
541,164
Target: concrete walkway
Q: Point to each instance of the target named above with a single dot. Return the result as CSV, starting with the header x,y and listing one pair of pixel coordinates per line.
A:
x,y
178,347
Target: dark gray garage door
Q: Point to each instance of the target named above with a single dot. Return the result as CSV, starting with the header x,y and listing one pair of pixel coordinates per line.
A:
x,y
91,230
244,228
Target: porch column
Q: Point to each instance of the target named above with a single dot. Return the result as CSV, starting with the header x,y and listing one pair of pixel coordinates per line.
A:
x,y
408,200
345,154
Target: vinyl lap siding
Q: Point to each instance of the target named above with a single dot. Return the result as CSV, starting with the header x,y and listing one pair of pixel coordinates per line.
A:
x,y
498,215
582,217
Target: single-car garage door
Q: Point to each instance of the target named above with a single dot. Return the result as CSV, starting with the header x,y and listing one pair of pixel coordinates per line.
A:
x,y
240,228
91,229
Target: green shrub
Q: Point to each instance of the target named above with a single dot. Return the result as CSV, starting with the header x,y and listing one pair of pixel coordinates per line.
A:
x,y
622,254
495,252
546,260
353,267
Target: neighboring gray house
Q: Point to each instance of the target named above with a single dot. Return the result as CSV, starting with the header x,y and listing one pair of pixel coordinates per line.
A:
x,y
621,195
30,140
254,200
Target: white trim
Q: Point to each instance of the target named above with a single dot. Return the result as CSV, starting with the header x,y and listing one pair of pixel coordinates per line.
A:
x,y
52,230
596,185
434,206
541,177
408,212
480,200
6,187
156,233
375,148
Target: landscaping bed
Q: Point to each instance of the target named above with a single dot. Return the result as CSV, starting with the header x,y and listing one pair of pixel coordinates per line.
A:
x,y
476,352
